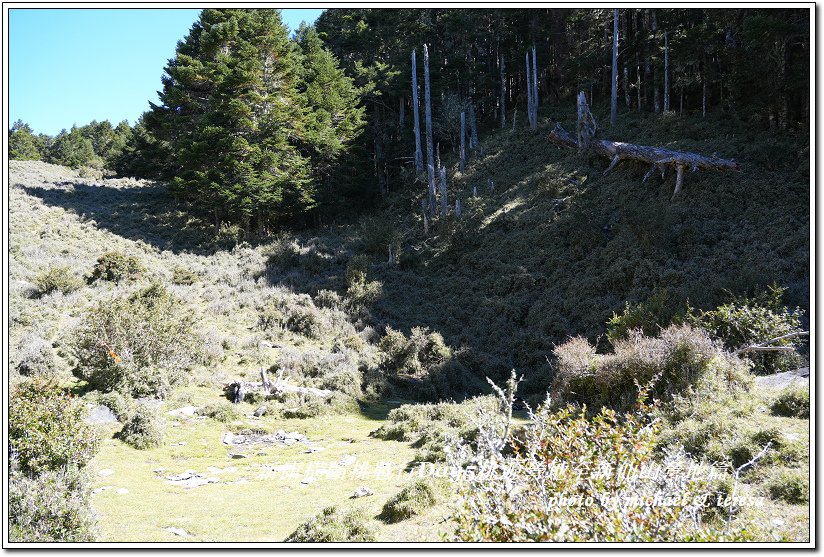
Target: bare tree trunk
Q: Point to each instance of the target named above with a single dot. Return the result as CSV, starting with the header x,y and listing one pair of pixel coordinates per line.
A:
x,y
418,154
666,73
657,93
401,114
463,141
638,81
503,92
444,205
430,165
528,91
613,113
587,126
473,128
534,88
217,221
514,117
704,90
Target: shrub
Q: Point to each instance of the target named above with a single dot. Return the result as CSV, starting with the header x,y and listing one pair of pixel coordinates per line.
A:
x,y
54,506
144,429
748,321
793,401
296,313
334,524
378,234
364,293
418,355
57,279
46,428
433,427
335,371
412,500
183,277
356,269
140,344
300,406
115,266
328,299
221,411
563,484
792,486
650,317
282,254
35,357
670,363
121,406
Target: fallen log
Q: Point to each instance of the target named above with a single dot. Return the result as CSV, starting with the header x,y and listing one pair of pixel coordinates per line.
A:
x,y
768,346
658,158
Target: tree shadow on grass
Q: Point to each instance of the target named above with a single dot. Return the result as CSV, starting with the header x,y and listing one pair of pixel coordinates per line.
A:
x,y
146,213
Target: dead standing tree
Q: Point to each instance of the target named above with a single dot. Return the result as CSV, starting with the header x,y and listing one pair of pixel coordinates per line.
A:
x,y
659,159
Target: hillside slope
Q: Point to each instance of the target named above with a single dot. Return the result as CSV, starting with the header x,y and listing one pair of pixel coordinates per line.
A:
x,y
556,247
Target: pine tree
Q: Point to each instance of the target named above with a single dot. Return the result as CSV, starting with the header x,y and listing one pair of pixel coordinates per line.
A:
x,y
23,143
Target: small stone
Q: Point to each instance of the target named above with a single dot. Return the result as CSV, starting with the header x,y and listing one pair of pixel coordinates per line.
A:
x,y
106,472
104,488
307,481
311,450
101,415
362,491
158,470
184,411
177,531
260,411
347,460
238,455
122,491
228,437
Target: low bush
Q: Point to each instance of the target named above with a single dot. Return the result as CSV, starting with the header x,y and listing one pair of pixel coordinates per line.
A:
x,y
412,500
563,485
378,234
418,355
750,321
57,279
650,317
792,486
143,429
121,406
793,402
357,269
282,254
184,277
141,344
335,524
295,405
297,313
221,411
35,358
328,299
334,371
433,427
679,358
115,266
53,506
47,430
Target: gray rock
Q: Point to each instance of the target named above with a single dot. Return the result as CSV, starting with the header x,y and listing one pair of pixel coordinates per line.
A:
x,y
260,411
101,415
362,491
799,377
177,531
184,411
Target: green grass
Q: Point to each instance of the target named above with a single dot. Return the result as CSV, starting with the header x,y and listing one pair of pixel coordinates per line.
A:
x,y
267,508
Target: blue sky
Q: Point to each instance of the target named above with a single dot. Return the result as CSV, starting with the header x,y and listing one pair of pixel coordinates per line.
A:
x,y
72,66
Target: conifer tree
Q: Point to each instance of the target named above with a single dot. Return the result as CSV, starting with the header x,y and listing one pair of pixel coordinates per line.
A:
x,y
23,143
